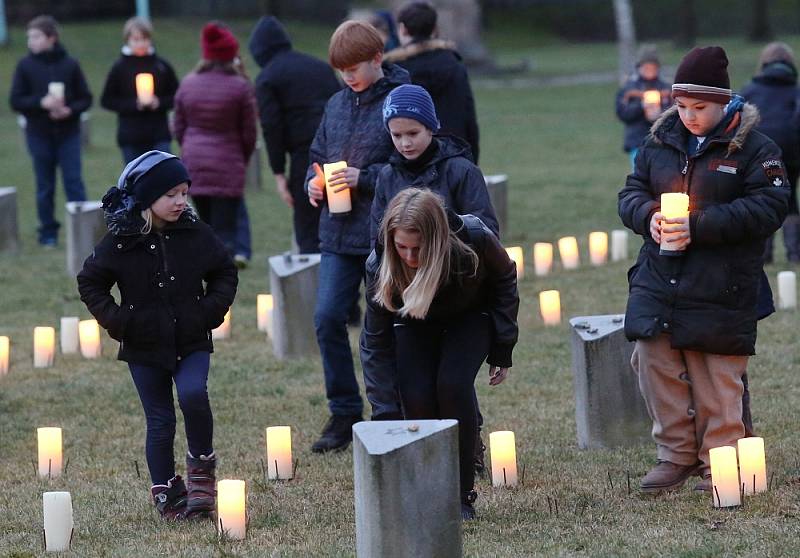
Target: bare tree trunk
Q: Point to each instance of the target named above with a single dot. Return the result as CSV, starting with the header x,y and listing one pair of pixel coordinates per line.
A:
x,y
760,30
626,37
687,27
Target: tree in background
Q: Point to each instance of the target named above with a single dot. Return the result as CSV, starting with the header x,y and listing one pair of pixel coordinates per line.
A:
x,y
626,37
687,28
760,30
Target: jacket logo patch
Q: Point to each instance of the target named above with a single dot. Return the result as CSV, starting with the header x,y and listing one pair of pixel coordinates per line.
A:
x,y
724,165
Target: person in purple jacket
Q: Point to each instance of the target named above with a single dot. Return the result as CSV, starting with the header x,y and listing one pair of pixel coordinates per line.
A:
x,y
215,125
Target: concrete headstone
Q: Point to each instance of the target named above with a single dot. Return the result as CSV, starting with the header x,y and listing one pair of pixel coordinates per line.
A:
x,y
293,284
85,228
9,229
497,184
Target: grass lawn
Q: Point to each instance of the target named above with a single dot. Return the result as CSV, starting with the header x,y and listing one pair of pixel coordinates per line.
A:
x,y
561,149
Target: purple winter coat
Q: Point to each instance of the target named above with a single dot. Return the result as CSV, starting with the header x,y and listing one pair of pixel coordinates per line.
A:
x,y
215,124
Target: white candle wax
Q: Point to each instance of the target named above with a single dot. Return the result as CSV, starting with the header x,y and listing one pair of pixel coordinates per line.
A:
x,y
652,97
231,503
542,258
264,307
673,204
57,514
787,290
89,334
50,451
503,453
619,245
69,335
598,247
56,89
144,88
279,452
223,331
568,250
338,202
725,489
752,464
44,343
550,307
517,255
5,354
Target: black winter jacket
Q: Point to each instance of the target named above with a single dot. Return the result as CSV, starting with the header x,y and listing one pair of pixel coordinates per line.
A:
x,y
706,298
140,127
630,109
31,80
352,130
492,289
449,173
291,90
434,65
774,92
165,312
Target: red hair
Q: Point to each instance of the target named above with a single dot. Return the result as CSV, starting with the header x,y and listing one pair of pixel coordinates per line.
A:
x,y
354,42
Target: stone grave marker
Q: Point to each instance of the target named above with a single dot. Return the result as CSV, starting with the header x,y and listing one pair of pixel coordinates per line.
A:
x,y
293,284
9,228
85,228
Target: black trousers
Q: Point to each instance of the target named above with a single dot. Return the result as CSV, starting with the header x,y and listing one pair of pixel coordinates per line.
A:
x,y
436,368
305,217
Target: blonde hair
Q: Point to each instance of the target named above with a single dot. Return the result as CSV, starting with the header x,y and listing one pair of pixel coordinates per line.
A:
x,y
147,215
775,52
139,24
440,252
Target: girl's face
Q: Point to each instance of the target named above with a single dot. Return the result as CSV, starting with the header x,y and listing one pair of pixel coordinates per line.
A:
x,y
649,71
699,116
39,42
407,244
410,137
139,43
360,76
168,208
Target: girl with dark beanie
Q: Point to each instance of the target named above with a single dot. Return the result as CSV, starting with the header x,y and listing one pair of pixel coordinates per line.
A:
x,y
160,255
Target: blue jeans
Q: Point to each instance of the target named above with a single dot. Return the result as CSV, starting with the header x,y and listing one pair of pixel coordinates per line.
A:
x,y
340,277
48,151
130,152
242,244
155,391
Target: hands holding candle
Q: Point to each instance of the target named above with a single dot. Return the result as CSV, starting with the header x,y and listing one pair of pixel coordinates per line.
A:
x,y
670,225
316,186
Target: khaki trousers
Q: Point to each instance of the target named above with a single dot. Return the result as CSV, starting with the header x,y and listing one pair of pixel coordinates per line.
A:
x,y
694,399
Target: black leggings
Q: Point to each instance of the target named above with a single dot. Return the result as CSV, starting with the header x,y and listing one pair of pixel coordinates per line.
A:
x,y
436,368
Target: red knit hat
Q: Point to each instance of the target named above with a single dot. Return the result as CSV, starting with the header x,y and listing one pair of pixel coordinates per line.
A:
x,y
218,43
703,74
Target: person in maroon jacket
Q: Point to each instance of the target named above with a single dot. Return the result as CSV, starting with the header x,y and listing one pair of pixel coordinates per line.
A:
x,y
215,125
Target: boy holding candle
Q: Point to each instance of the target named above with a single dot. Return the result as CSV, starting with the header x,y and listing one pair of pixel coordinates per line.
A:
x,y
50,91
351,130
142,115
693,313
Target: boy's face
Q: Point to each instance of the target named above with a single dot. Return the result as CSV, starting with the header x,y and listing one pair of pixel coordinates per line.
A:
x,y
649,71
699,116
410,137
360,76
39,42
170,206
139,43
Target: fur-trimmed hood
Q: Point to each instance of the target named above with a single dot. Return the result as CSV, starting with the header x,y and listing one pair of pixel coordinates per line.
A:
x,y
403,53
743,121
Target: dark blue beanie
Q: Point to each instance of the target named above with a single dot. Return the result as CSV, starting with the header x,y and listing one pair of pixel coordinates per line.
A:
x,y
410,101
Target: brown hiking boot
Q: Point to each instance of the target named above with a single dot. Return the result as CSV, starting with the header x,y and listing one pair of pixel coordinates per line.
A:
x,y
202,495
704,485
170,498
666,476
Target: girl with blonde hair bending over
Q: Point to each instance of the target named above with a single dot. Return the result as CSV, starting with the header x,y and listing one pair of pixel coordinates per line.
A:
x,y
441,299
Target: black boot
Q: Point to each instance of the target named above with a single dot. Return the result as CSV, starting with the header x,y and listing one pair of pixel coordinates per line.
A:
x,y
480,455
202,493
170,498
337,434
467,509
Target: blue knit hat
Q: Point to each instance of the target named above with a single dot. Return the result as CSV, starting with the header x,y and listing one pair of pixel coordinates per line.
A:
x,y
410,101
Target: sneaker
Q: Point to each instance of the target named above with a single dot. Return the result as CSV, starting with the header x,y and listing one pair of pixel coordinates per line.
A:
x,y
666,476
241,261
467,508
337,434
48,243
170,498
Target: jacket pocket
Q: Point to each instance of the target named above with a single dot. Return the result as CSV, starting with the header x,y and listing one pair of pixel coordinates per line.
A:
x,y
191,324
141,327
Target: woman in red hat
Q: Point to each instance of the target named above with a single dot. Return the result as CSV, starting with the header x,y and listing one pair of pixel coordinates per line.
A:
x,y
215,124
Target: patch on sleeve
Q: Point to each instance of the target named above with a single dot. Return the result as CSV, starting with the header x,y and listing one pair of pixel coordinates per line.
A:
x,y
729,166
773,168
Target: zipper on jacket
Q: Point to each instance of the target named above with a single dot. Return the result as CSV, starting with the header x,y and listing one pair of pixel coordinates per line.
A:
x,y
163,254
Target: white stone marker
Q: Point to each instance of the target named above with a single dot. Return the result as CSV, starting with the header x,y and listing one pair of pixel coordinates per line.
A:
x,y
9,230
407,489
85,228
497,184
293,284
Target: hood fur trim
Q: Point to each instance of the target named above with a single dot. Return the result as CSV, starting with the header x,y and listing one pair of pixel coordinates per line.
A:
x,y
413,49
749,119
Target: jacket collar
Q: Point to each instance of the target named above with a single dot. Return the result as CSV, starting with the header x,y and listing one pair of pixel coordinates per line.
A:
x,y
393,75
132,235
416,48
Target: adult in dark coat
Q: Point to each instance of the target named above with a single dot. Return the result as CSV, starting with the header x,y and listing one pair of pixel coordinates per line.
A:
x,y
436,65
140,128
291,89
774,91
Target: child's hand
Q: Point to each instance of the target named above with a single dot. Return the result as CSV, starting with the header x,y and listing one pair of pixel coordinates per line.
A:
x,y
497,375
60,112
316,186
676,230
655,226
282,186
344,178
50,102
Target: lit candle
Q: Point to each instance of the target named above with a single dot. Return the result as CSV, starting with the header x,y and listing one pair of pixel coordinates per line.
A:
x,y
279,452
69,335
619,245
652,97
787,290
542,258
550,307
752,464
673,205
231,515
44,343
725,477
56,89
144,88
57,512
598,247
49,443
504,458
568,250
516,254
264,306
5,354
338,202
223,331
89,333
